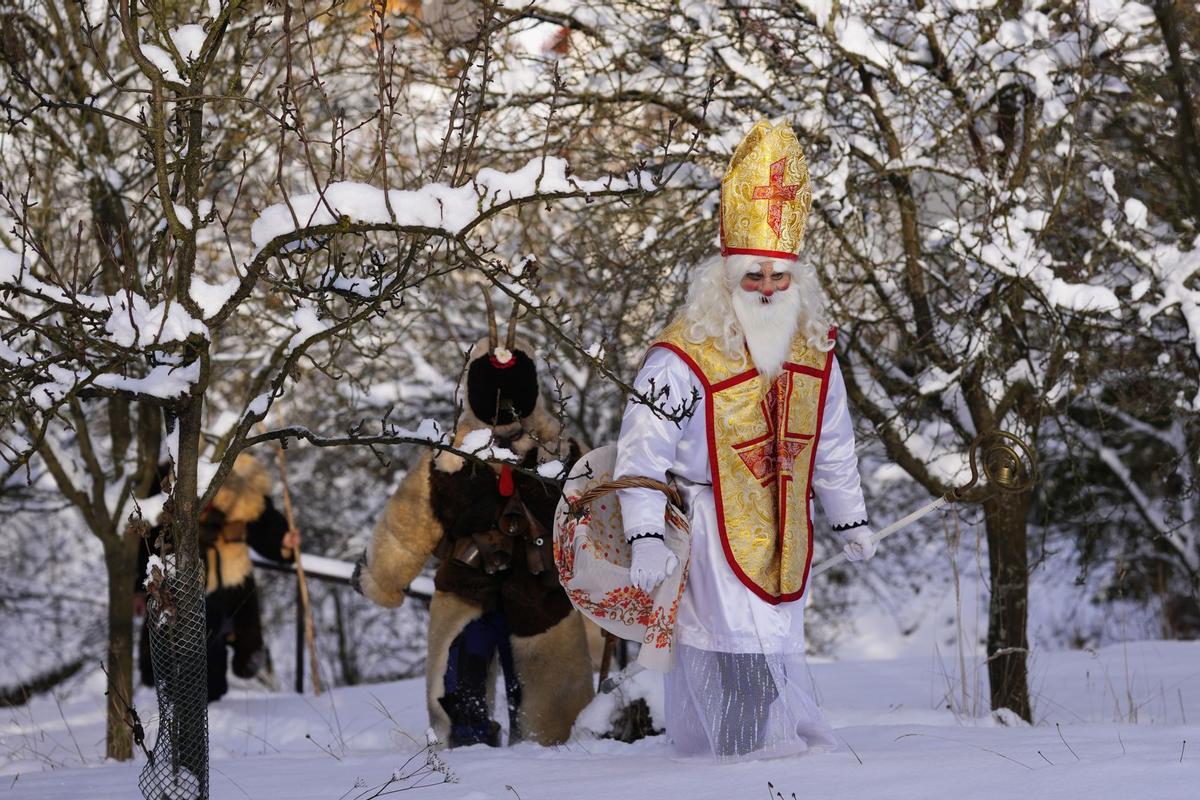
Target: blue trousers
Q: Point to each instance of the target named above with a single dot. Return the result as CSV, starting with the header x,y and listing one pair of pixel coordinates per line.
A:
x,y
466,682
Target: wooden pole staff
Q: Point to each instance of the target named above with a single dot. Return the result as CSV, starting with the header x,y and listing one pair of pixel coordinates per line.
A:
x,y
610,645
1008,463
301,583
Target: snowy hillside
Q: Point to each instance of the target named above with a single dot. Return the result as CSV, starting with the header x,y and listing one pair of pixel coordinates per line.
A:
x,y
1111,724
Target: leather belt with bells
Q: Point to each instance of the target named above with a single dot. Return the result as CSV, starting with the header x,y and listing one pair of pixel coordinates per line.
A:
x,y
492,550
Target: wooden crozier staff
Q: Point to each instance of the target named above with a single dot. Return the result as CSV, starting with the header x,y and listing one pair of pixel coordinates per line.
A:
x,y
1008,463
306,608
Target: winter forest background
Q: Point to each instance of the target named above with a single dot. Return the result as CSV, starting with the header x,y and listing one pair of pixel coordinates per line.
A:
x,y
227,224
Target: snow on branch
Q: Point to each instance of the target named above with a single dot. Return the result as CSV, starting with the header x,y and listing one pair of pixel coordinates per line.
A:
x,y
1179,538
15,275
163,381
1175,270
135,323
452,209
1011,245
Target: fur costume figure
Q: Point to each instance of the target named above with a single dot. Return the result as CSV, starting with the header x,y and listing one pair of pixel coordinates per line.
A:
x,y
239,517
498,603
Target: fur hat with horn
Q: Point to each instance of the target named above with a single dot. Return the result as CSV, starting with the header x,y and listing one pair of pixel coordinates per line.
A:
x,y
502,392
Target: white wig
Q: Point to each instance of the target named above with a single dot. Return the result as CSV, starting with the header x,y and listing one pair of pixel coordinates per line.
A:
x,y
708,311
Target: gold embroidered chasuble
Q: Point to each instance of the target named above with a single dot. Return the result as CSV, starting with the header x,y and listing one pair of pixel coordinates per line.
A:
x,y
762,444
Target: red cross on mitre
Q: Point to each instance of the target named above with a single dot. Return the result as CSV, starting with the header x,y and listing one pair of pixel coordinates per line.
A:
x,y
770,456
775,193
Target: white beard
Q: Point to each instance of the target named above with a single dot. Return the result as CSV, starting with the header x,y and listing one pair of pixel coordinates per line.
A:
x,y
769,327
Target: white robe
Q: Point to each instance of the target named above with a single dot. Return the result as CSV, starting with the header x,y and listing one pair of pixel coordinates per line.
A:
x,y
718,614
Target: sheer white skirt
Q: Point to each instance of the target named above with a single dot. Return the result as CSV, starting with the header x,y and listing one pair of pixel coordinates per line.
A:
x,y
741,706
740,687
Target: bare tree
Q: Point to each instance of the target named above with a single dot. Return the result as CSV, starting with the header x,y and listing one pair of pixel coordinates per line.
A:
x,y
147,294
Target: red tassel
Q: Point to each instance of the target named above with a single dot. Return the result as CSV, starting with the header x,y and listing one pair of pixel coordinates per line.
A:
x,y
506,481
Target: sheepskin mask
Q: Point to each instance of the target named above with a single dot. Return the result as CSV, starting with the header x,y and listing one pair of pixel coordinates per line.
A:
x,y
501,393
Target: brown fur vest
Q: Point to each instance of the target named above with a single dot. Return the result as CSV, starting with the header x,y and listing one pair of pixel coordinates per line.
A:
x,y
467,502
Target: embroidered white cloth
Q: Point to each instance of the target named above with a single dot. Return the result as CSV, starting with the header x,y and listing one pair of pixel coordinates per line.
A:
x,y
593,557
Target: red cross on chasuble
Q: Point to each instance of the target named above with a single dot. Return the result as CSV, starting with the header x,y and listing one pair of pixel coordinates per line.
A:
x,y
762,444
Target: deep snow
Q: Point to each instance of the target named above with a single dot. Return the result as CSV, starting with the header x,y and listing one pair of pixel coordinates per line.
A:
x,y
1125,711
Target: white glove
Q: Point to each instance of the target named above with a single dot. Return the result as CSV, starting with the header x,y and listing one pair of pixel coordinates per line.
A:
x,y
652,562
859,546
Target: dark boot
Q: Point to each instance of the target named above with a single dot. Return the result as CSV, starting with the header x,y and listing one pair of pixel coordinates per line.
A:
x,y
218,625
249,650
512,686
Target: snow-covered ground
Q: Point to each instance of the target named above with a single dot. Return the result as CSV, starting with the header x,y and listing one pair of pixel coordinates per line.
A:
x,y
1110,724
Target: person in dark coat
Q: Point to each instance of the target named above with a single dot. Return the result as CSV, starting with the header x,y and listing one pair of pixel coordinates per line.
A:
x,y
240,516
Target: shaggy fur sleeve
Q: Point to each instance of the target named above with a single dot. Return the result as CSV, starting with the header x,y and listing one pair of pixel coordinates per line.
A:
x,y
404,539
265,534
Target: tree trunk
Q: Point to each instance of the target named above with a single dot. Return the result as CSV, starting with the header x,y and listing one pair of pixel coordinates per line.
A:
x,y
1188,137
1005,518
190,691
120,561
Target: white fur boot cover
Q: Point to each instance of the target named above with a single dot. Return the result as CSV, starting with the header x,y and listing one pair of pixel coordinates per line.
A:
x,y
556,680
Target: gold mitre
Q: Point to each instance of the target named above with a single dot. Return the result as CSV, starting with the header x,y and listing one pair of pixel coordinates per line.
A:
x,y
765,195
